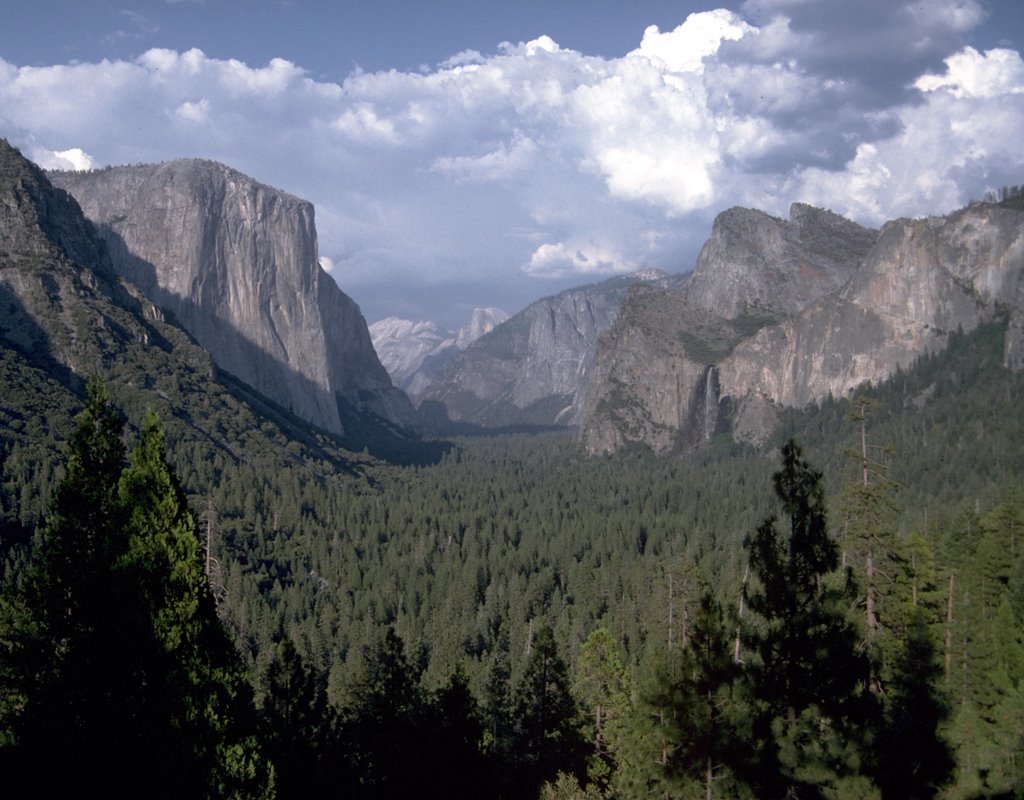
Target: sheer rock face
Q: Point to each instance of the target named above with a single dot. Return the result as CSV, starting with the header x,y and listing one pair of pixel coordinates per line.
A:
x,y
758,264
236,262
671,378
922,280
534,367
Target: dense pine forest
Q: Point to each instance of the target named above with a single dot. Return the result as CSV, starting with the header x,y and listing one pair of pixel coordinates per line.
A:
x,y
839,613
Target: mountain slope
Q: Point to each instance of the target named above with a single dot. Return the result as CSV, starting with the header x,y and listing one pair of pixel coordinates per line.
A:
x,y
236,263
66,316
534,367
673,373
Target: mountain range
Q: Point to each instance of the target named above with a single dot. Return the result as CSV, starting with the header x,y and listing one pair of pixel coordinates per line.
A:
x,y
534,368
777,313
783,313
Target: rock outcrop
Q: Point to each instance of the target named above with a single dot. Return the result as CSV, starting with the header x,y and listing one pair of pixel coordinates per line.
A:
x,y
783,314
758,265
922,279
534,368
236,263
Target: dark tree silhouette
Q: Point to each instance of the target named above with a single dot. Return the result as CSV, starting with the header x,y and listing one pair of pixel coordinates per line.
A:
x,y
810,707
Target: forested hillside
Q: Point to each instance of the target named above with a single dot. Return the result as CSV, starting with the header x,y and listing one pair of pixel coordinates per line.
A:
x,y
515,610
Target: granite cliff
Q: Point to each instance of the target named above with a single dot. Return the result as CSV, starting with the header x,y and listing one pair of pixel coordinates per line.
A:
x,y
66,316
236,263
534,367
783,313
758,265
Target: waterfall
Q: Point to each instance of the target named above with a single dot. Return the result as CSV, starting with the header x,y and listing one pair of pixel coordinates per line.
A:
x,y
710,402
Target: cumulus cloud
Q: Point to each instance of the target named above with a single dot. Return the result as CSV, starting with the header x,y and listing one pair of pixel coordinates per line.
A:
x,y
685,48
971,74
559,260
194,111
362,124
508,174
504,162
74,158
962,140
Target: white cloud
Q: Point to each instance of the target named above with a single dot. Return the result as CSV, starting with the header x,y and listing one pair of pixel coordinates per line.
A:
x,y
362,124
962,140
326,264
685,48
560,260
506,173
971,74
506,161
543,44
74,158
197,111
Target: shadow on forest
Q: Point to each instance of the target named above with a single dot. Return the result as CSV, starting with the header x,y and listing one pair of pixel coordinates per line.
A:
x,y
434,419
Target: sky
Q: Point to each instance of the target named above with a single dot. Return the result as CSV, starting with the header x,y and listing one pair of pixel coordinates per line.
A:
x,y
488,153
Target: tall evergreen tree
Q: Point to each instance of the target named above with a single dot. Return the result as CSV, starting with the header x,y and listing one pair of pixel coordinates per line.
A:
x,y
197,678
130,683
810,708
868,511
384,736
297,726
915,761
72,693
547,720
602,684
456,732
707,753
683,739
497,714
651,733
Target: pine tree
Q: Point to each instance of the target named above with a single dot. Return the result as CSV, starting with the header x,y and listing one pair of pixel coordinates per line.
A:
x,y
869,508
207,700
456,741
130,680
71,594
384,736
651,733
806,680
706,715
547,721
602,684
297,726
915,761
66,686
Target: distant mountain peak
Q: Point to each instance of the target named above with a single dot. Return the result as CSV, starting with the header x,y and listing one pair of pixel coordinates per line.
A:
x,y
649,274
412,352
533,368
482,322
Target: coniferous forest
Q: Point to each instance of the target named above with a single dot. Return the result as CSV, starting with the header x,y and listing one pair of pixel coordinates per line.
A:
x,y
837,614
